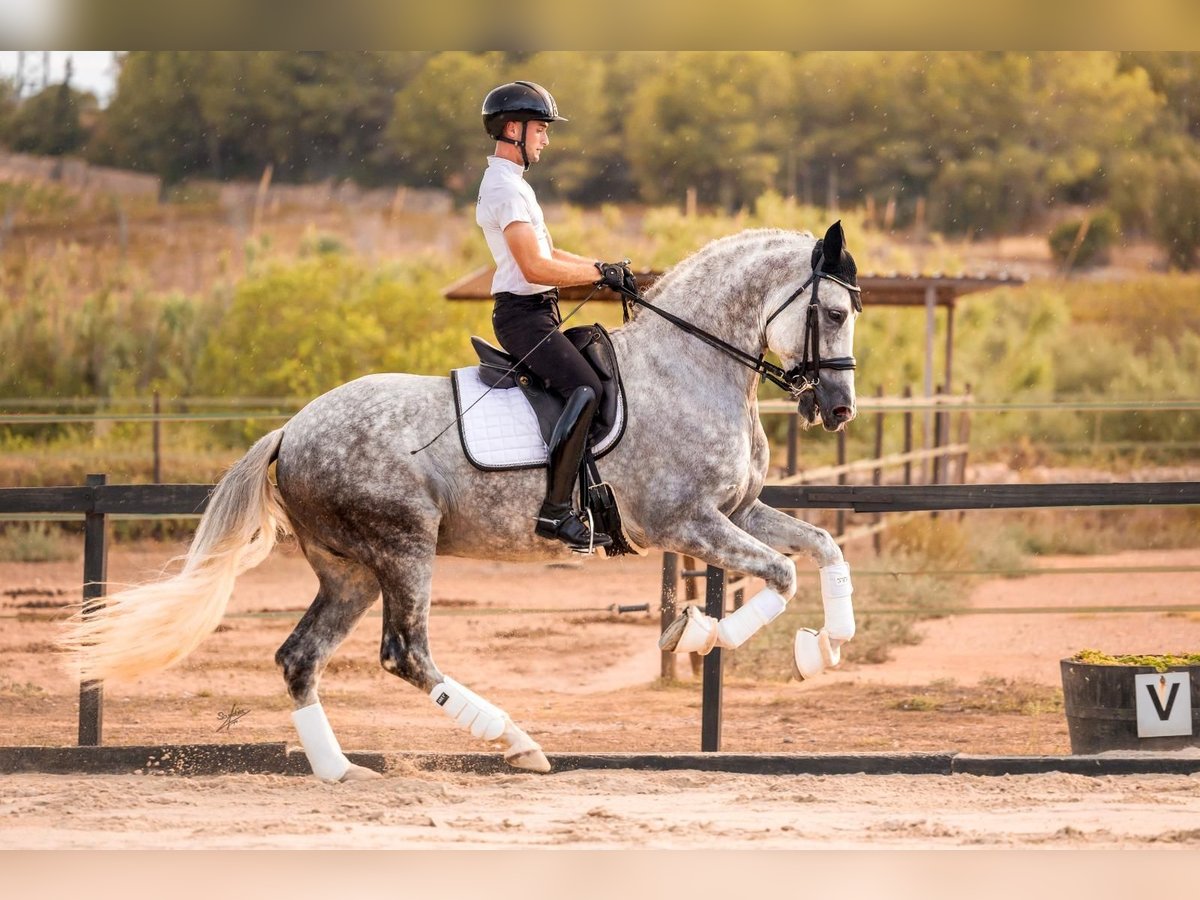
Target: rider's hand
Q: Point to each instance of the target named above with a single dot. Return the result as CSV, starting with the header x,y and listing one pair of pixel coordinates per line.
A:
x,y
618,277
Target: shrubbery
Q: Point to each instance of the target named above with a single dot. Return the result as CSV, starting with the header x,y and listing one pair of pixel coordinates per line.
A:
x,y
1083,243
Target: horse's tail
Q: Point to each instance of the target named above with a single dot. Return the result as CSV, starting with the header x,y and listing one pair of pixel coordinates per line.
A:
x,y
152,626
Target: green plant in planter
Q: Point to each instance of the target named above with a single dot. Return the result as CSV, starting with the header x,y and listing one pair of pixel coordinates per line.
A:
x,y
1160,663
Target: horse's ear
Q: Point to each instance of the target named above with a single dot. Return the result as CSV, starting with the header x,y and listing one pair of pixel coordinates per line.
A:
x,y
832,245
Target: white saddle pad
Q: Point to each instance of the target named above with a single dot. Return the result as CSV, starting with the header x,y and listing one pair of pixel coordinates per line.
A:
x,y
500,431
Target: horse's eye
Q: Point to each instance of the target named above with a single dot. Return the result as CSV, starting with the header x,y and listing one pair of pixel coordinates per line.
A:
x,y
836,316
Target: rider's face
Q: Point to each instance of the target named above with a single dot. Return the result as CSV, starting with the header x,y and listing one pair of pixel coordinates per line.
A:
x,y
537,138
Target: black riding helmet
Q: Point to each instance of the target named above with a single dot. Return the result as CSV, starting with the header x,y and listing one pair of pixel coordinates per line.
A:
x,y
518,101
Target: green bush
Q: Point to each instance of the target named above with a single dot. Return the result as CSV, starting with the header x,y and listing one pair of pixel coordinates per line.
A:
x,y
1177,213
1082,243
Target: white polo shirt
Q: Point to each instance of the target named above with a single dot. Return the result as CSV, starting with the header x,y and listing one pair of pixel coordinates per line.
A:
x,y
505,197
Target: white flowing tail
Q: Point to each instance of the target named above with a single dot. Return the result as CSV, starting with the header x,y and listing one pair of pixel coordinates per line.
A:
x,y
152,626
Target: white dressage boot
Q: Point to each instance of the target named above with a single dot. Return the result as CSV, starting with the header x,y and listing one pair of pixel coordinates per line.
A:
x,y
489,722
325,755
816,651
695,632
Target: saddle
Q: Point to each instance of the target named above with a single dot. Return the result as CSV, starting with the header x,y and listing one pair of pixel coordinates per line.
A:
x,y
507,415
499,370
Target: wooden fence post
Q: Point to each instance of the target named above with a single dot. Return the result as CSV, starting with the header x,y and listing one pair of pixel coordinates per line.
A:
x,y
964,435
690,595
670,587
841,479
793,441
908,435
939,441
157,439
877,472
95,573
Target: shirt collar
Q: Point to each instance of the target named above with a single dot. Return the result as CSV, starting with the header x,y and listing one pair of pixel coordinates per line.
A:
x,y
506,165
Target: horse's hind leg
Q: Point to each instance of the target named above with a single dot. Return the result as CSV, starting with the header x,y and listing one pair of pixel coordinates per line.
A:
x,y
347,590
404,651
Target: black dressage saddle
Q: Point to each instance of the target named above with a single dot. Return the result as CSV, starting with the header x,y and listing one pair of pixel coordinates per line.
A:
x,y
500,370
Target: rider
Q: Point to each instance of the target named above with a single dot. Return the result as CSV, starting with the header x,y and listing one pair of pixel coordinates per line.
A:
x,y
529,271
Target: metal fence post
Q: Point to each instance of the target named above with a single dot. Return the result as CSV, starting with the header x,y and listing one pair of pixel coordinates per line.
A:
x,y
710,712
95,573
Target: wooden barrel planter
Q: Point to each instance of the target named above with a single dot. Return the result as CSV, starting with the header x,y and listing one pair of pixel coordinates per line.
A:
x,y
1100,701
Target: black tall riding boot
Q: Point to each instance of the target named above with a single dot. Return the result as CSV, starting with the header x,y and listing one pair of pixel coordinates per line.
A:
x,y
556,519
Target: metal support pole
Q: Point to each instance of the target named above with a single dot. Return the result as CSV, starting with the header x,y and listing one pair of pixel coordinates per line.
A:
x,y
95,573
930,333
710,713
670,584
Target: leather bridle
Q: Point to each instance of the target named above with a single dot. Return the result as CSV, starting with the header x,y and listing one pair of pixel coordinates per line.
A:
x,y
800,378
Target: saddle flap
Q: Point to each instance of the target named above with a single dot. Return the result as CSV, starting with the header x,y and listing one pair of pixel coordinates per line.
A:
x,y
593,343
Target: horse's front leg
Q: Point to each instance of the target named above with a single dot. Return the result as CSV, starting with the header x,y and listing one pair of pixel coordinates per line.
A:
x,y
719,542
814,651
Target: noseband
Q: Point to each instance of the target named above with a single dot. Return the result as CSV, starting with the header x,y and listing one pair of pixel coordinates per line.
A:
x,y
799,378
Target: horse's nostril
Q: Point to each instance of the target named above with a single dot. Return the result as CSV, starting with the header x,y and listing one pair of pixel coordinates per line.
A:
x,y
843,413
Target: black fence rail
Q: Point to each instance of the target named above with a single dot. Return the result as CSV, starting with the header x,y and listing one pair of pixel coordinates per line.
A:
x,y
97,500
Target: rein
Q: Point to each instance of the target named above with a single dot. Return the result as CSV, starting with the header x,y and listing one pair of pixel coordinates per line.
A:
x,y
795,380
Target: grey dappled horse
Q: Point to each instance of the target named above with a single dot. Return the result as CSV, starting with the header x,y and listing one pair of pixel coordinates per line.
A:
x,y
370,515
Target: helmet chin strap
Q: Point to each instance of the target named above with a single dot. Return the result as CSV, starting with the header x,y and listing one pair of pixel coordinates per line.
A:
x,y
521,143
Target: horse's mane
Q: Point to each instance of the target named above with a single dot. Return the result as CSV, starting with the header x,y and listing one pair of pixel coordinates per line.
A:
x,y
693,265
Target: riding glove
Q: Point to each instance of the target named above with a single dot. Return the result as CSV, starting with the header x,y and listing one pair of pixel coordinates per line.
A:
x,y
618,277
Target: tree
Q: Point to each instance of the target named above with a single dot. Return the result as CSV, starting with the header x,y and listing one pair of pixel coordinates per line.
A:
x,y
228,114
49,122
1176,221
436,135
701,120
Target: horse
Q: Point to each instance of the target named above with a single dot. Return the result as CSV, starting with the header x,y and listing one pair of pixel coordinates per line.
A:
x,y
370,514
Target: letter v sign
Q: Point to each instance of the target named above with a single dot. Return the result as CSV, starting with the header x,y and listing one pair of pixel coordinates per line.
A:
x,y
1164,704
1153,690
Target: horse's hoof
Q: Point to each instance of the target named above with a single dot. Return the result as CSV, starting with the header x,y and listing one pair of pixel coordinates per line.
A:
x,y
359,773
813,653
533,760
669,639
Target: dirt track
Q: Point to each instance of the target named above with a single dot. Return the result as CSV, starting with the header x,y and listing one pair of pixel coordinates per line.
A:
x,y
585,681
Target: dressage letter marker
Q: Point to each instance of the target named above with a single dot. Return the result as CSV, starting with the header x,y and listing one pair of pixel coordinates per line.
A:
x,y
1164,704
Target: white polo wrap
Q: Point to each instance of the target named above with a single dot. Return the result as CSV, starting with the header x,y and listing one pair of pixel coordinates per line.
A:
x,y
320,745
484,720
740,625
836,593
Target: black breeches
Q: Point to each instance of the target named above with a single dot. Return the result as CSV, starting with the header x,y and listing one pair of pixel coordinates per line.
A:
x,y
523,322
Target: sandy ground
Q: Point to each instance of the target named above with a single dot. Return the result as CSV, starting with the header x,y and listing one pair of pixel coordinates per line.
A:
x,y
581,678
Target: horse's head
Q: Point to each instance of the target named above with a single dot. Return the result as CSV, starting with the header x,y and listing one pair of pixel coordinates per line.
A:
x,y
813,333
